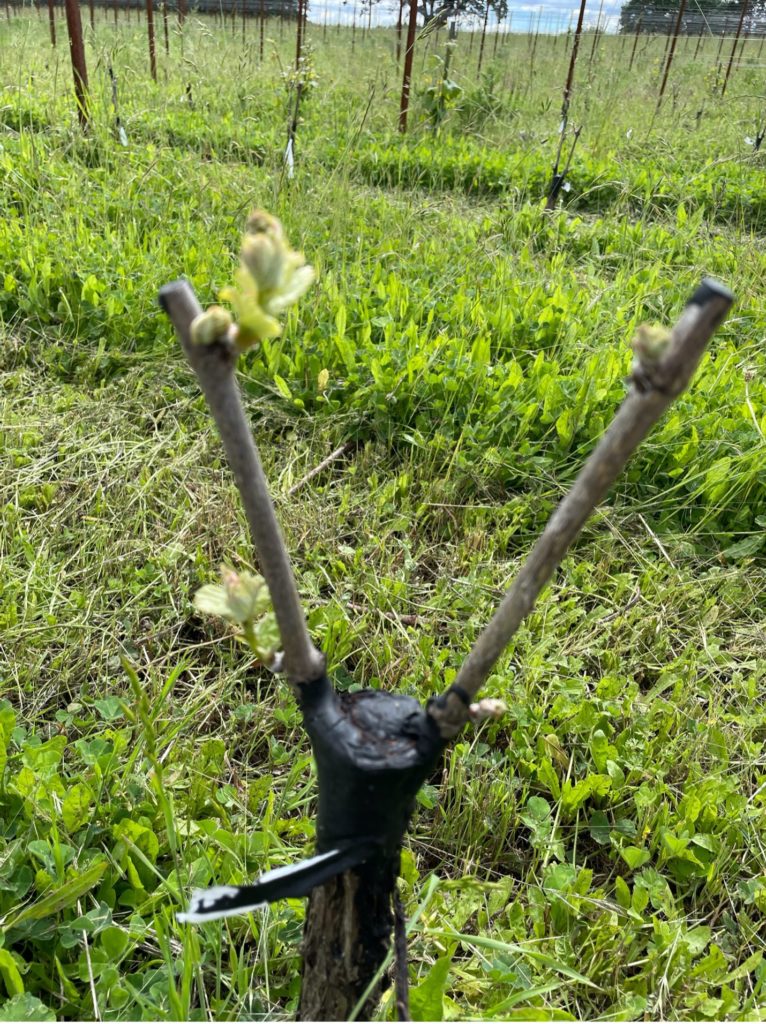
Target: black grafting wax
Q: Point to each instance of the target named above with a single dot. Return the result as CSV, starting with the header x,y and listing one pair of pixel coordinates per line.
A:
x,y
373,751
710,289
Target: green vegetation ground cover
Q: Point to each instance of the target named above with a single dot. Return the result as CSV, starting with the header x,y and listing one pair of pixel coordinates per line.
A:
x,y
600,851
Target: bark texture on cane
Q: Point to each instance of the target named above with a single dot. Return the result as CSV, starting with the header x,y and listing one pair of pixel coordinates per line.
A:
x,y
346,938
656,383
214,366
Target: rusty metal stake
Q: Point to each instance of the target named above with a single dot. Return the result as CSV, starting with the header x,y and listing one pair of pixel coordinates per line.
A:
x,y
734,47
79,69
671,51
408,55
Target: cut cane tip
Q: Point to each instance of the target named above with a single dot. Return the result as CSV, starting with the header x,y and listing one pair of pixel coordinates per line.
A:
x,y
488,707
711,289
164,294
168,290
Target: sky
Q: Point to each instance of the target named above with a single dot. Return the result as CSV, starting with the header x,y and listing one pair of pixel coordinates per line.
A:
x,y
553,15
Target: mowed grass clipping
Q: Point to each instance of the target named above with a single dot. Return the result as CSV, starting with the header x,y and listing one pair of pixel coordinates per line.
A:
x,y
599,852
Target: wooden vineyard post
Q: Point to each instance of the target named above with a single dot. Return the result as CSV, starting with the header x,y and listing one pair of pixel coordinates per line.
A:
x,y
635,44
734,46
596,33
483,35
399,32
668,39
671,51
77,54
52,21
534,39
165,27
572,62
560,33
699,42
152,41
558,176
742,45
408,55
723,40
299,34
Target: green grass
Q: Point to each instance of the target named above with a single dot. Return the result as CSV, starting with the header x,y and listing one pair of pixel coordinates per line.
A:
x,y
599,852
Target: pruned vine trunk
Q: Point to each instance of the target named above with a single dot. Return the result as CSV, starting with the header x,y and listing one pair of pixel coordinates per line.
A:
x,y
347,936
373,749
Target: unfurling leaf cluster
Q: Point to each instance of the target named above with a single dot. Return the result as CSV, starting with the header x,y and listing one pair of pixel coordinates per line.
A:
x,y
243,600
271,276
